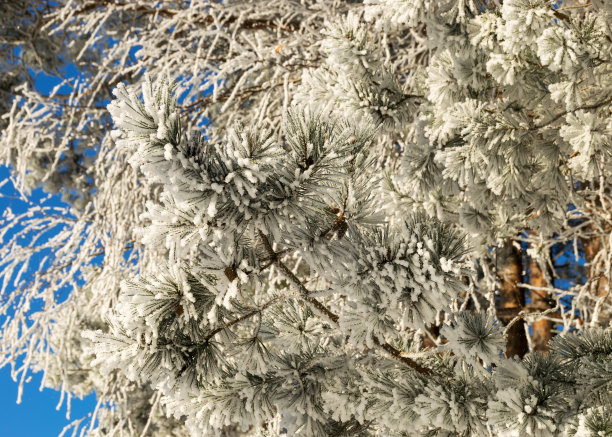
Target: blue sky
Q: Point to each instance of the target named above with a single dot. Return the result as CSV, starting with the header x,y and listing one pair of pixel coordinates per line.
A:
x,y
36,416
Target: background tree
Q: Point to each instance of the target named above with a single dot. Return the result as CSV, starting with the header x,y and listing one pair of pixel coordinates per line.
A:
x,y
508,96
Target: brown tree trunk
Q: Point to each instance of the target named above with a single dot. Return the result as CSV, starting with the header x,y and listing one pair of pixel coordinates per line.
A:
x,y
510,272
597,278
600,227
591,248
541,329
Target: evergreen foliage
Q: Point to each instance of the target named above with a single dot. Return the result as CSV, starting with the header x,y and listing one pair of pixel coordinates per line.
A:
x,y
312,215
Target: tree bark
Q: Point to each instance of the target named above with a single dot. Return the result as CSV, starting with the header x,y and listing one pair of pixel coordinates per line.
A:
x,y
593,242
510,271
596,274
591,248
540,300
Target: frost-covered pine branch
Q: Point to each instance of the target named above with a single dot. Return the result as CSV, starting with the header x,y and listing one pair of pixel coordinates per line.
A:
x,y
243,345
326,222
